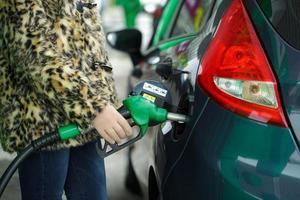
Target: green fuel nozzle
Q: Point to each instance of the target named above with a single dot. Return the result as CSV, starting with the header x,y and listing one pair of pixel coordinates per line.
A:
x,y
141,110
145,106
144,111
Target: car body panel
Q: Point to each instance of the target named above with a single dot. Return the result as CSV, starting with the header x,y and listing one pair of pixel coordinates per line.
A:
x,y
285,61
230,157
219,154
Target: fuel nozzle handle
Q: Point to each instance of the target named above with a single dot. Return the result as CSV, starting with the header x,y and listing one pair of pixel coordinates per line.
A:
x,y
140,110
124,112
143,112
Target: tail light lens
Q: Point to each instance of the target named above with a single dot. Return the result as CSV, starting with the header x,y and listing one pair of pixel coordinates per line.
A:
x,y
235,71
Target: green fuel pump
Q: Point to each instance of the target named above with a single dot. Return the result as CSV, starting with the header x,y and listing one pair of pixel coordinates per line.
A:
x,y
145,107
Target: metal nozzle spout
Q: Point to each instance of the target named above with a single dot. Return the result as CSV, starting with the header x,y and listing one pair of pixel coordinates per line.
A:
x,y
177,117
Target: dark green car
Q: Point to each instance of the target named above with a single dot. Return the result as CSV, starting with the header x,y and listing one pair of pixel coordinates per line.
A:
x,y
234,67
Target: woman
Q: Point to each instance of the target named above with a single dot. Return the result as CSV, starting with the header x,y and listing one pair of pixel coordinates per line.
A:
x,y
53,71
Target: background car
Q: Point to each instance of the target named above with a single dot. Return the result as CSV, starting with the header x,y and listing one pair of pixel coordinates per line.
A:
x,y
235,72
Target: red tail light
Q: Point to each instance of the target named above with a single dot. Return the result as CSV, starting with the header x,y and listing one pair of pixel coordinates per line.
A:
x,y
235,71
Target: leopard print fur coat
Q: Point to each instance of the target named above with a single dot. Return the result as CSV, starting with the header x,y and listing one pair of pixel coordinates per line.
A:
x,y
54,70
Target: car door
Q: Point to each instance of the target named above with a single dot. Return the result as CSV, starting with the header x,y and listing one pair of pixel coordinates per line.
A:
x,y
180,52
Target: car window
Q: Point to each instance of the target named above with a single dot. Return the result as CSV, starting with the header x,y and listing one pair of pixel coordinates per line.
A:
x,y
192,16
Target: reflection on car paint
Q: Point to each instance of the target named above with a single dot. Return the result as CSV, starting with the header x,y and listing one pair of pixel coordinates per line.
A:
x,y
263,185
196,11
257,168
181,53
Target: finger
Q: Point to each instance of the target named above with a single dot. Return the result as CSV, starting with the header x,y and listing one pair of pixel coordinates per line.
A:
x,y
112,133
125,125
120,131
106,137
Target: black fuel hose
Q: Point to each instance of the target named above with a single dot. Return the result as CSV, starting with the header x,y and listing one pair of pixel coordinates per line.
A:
x,y
36,145
21,156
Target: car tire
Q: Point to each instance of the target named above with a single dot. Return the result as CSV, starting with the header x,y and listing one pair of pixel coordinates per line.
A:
x,y
153,191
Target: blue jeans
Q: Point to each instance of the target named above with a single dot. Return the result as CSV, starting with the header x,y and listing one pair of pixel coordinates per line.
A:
x,y
78,171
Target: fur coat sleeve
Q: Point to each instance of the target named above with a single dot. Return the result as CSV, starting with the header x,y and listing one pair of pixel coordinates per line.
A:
x,y
54,67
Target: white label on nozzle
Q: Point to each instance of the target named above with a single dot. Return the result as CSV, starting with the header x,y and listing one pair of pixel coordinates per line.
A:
x,y
167,127
154,89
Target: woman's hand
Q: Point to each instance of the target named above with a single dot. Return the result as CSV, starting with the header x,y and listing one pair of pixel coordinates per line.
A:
x,y
111,125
